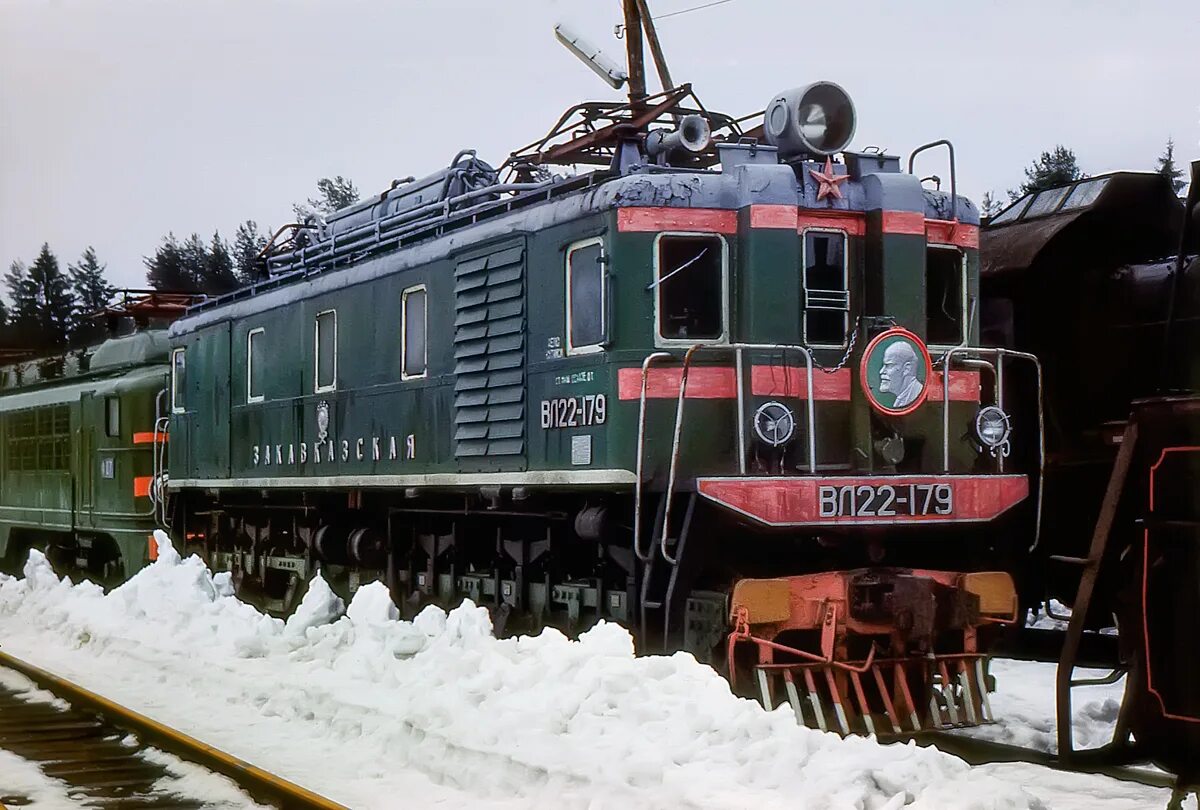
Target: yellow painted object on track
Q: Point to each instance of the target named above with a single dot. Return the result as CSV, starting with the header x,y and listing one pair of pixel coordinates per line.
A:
x,y
265,785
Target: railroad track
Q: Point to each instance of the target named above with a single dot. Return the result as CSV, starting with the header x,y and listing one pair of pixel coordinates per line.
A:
x,y
89,747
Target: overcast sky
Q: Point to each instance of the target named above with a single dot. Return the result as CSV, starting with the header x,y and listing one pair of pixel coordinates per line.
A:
x,y
123,120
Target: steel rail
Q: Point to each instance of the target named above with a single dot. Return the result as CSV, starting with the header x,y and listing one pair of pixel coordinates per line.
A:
x,y
256,781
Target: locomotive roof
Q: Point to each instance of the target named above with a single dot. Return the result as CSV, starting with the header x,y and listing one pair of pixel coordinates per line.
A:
x,y
1130,216
736,185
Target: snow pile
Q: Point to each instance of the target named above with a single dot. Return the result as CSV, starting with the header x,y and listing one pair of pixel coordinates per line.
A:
x,y
349,700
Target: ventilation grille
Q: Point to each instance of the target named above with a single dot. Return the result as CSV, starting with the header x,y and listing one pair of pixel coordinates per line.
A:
x,y
489,355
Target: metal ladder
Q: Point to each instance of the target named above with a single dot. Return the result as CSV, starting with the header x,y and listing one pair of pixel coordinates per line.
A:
x,y
1065,677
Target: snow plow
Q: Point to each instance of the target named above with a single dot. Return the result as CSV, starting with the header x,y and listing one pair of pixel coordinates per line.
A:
x,y
897,651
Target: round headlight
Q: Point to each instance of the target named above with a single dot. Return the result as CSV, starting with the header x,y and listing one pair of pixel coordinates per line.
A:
x,y
992,427
774,423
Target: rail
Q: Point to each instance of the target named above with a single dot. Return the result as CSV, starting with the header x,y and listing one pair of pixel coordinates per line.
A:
x,y
1000,355
256,781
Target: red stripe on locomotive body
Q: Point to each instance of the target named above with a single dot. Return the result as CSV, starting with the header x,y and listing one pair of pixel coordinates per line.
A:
x,y
704,382
141,486
791,381
903,223
149,437
947,232
651,220
774,216
854,223
797,501
964,386
720,382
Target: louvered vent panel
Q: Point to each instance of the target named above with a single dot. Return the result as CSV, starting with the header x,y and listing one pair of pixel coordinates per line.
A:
x,y
489,355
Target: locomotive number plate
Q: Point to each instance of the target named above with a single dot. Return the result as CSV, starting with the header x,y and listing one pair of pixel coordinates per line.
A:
x,y
885,500
568,412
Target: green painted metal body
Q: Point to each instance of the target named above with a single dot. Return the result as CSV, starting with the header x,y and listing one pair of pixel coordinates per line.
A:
x,y
68,463
385,431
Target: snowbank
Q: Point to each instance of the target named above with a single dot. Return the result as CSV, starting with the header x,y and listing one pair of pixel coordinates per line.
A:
x,y
355,704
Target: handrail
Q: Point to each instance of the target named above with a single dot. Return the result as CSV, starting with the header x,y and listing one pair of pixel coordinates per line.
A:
x,y
641,442
672,470
1000,354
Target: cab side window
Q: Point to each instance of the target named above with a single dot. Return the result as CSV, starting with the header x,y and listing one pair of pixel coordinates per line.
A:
x,y
826,288
178,380
587,297
945,274
690,287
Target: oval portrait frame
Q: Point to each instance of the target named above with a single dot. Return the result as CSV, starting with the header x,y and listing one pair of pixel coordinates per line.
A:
x,y
895,331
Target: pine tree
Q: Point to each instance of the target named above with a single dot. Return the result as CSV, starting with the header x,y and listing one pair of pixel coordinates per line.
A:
x,y
989,206
92,290
23,316
1167,168
332,194
247,244
194,258
166,271
92,294
55,301
218,269
1051,169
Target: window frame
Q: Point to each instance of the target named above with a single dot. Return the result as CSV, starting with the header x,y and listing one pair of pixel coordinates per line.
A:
x,y
112,404
804,286
317,387
964,334
176,405
590,348
251,397
404,375
723,338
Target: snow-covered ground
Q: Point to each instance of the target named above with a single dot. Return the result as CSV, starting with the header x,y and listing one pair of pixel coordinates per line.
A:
x,y
378,713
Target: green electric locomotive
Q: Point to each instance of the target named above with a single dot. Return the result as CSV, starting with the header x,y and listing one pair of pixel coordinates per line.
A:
x,y
724,389
81,444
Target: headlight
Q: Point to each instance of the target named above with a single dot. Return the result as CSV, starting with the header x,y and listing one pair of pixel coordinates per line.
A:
x,y
992,427
774,423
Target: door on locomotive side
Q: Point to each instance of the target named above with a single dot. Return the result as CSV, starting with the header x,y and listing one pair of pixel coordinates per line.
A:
x,y
198,394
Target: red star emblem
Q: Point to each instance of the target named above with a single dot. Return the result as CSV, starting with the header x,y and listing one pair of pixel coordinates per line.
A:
x,y
828,181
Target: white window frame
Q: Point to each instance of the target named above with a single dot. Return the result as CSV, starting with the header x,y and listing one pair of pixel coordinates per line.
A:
x,y
175,406
404,375
804,286
723,338
250,398
591,348
317,387
964,335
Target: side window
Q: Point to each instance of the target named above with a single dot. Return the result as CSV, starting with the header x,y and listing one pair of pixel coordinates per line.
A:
x,y
413,349
587,297
178,380
690,286
945,296
112,416
255,365
826,288
325,350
